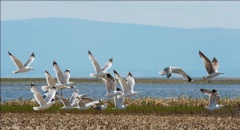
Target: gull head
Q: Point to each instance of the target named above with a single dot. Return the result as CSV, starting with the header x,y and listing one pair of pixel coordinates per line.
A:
x,y
204,77
32,85
214,91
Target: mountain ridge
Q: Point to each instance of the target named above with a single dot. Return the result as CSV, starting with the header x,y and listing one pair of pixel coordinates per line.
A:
x,y
142,49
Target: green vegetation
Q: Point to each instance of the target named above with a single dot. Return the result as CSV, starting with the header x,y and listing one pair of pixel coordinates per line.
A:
x,y
140,106
137,80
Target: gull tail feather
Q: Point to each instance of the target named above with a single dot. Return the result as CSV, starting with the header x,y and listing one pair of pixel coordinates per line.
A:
x,y
92,75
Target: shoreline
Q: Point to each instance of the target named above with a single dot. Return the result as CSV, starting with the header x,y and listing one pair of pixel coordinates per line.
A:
x,y
137,80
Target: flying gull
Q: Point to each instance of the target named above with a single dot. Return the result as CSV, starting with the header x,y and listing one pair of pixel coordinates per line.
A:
x,y
22,68
43,104
175,70
127,86
213,97
211,67
99,71
110,83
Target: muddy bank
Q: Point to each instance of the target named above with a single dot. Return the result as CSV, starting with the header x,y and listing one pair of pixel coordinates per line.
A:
x,y
116,121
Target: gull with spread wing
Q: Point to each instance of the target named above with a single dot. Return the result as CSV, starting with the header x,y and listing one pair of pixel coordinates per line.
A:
x,y
213,99
110,83
168,71
68,104
51,82
22,68
99,71
62,79
43,103
127,86
211,67
82,105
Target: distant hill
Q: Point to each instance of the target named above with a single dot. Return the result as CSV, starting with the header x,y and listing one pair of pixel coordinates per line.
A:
x,y
142,49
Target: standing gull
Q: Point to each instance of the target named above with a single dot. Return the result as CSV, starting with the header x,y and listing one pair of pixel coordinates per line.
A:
x,y
99,71
211,67
119,101
22,68
176,70
213,97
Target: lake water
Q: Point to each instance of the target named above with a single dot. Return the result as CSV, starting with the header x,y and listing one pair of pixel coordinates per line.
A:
x,y
10,91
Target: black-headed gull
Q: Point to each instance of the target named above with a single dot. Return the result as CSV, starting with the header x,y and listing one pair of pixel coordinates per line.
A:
x,y
82,105
211,67
110,83
43,104
51,82
62,79
127,86
213,99
22,68
68,104
99,71
176,70
119,101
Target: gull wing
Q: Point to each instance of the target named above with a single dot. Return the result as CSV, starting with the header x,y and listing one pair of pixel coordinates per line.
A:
x,y
168,72
15,60
107,83
179,71
86,100
111,83
94,62
81,104
215,64
40,99
58,73
107,65
65,101
50,80
82,96
207,92
213,99
34,89
30,60
73,97
67,75
92,103
51,94
130,81
207,63
122,82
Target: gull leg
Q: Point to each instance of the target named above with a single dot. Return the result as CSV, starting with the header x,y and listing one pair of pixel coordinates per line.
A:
x,y
61,92
96,79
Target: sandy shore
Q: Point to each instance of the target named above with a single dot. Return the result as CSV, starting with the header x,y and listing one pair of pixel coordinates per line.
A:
x,y
116,121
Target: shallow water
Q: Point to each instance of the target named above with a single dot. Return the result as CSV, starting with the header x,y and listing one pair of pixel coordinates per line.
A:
x,y
10,91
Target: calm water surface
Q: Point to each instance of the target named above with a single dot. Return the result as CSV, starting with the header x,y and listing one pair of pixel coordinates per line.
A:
x,y
10,91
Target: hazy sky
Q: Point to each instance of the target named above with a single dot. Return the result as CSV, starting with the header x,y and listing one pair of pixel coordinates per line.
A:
x,y
183,14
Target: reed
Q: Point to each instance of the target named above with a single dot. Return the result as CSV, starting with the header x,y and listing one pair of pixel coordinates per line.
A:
x,y
138,80
181,105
